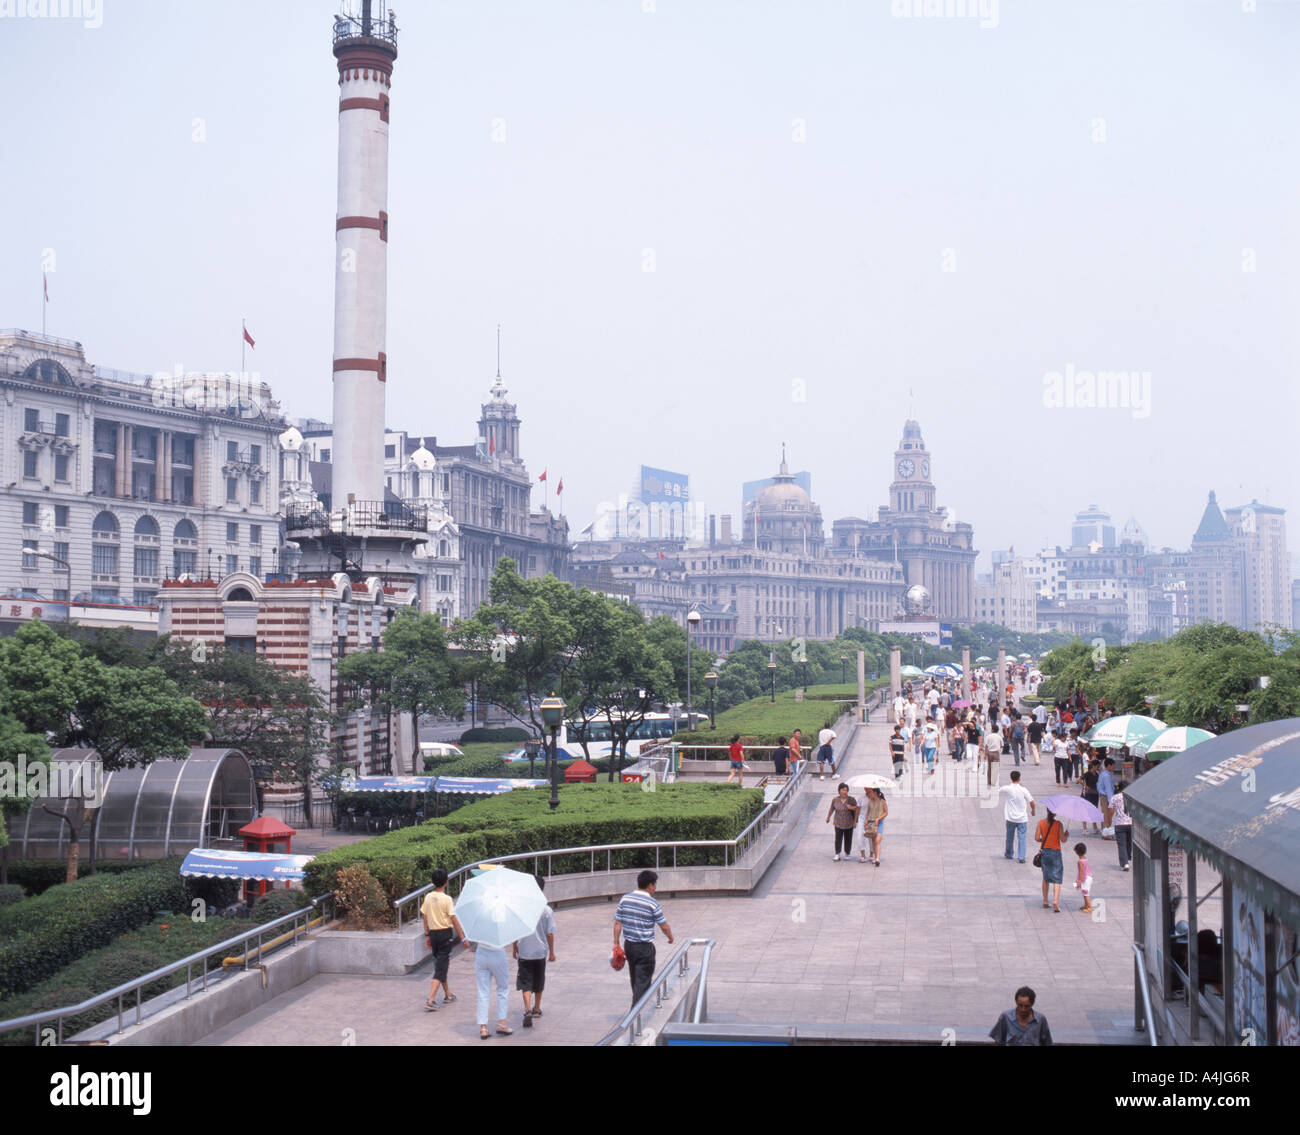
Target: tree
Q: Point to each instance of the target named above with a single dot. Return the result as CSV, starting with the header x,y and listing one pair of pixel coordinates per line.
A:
x,y
276,718
23,752
413,672
128,716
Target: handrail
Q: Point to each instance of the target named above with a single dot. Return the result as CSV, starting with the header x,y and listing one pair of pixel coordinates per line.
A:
x,y
701,991
768,815
676,966
307,914
1149,1021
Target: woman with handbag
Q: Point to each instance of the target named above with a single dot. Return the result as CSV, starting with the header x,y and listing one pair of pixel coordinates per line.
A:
x,y
1050,833
874,823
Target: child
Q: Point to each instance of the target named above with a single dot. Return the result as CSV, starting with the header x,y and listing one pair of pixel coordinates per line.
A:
x,y
1083,880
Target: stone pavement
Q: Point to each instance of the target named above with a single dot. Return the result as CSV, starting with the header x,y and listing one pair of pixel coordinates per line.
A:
x,y
938,937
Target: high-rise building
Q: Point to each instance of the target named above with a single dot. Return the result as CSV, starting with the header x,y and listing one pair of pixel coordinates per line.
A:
x,y
1216,571
1260,531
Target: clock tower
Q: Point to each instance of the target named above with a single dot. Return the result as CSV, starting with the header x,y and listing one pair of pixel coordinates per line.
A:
x,y
911,490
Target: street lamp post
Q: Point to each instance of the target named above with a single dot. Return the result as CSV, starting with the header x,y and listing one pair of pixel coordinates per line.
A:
x,y
692,621
711,680
530,747
552,714
844,673
771,670
61,562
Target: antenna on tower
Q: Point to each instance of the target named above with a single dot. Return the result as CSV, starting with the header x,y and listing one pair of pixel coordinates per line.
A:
x,y
498,350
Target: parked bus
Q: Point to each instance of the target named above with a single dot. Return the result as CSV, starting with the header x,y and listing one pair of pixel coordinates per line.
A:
x,y
653,729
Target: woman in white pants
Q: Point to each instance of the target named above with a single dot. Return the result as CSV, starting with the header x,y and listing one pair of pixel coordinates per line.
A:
x,y
490,965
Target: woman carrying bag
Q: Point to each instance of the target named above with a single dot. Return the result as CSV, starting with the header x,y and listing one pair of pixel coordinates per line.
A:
x,y
1050,833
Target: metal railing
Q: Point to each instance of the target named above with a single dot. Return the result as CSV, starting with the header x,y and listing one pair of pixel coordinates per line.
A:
x,y
673,972
1148,1022
273,931
359,514
732,849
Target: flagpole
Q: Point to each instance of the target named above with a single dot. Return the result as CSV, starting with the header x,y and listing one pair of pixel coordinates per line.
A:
x,y
243,343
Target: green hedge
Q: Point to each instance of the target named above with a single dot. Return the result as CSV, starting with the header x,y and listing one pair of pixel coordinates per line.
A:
x,y
10,893
763,722
479,733
40,936
588,814
37,875
130,956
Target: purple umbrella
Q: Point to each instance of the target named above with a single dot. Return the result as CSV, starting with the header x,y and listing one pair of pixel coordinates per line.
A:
x,y
1073,808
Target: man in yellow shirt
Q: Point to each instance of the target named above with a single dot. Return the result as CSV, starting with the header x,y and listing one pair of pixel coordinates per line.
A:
x,y
441,928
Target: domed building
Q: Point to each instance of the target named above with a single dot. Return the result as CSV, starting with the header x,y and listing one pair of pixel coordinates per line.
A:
x,y
787,520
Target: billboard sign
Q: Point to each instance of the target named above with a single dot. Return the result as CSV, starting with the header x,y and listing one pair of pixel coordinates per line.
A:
x,y
659,486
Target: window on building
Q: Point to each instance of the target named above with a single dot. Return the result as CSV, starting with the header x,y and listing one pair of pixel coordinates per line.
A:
x,y
255,534
61,551
144,598
104,559
183,563
255,565
29,463
232,451
30,513
60,516
29,562
232,533
146,563
254,492
232,564
60,467
108,595
324,454
390,451
232,490
61,423
255,454
241,644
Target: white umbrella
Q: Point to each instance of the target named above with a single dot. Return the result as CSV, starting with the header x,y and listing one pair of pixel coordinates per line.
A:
x,y
870,780
500,907
1174,740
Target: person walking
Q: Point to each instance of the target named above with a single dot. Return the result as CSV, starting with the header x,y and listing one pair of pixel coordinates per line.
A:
x,y
532,953
873,824
1017,807
491,964
441,930
930,744
898,751
1083,879
637,916
993,751
1035,735
1122,822
796,750
780,755
737,757
844,811
825,753
1089,781
1021,1027
1018,739
1061,759
1105,790
1049,835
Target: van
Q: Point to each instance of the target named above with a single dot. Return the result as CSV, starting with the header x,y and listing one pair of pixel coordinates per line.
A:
x,y
439,750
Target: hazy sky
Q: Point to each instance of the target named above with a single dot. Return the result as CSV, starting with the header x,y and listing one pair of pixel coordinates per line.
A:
x,y
1105,186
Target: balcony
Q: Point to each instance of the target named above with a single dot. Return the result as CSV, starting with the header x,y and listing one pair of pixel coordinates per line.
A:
x,y
383,515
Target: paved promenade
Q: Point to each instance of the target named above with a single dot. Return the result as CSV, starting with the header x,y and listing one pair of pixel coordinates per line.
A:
x,y
936,938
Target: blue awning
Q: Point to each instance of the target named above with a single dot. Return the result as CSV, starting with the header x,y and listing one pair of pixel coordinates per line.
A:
x,y
211,863
484,786
420,784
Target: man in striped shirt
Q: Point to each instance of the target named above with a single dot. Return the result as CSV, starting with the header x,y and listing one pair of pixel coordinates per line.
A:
x,y
637,914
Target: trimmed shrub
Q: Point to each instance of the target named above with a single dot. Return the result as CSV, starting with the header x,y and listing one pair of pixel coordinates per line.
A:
x,y
510,733
401,861
38,875
360,898
217,894
10,892
277,903
41,935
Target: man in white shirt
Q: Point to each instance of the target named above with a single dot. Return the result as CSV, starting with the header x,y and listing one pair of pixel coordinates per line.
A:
x,y
900,706
1040,713
993,751
1017,807
826,754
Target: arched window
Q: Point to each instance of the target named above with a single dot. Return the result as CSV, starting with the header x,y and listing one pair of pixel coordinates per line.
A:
x,y
240,595
103,552
105,525
146,526
185,530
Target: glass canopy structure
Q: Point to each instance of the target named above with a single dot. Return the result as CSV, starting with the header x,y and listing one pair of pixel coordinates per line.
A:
x,y
155,810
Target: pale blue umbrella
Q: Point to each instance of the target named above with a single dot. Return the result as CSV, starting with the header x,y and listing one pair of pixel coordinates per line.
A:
x,y
1175,740
499,907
